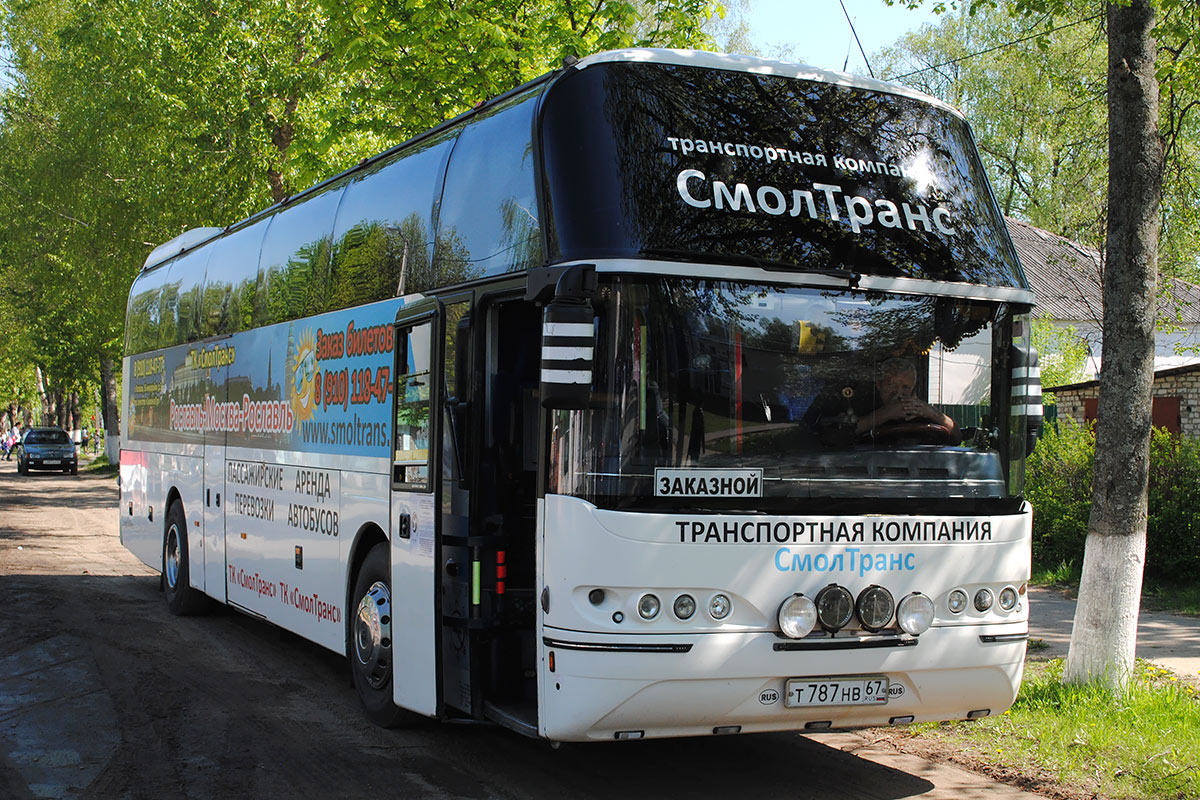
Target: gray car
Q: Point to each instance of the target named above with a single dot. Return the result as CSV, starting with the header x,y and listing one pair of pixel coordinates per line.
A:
x,y
47,448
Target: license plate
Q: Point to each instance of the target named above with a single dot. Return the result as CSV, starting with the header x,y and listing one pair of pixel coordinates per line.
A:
x,y
866,690
51,461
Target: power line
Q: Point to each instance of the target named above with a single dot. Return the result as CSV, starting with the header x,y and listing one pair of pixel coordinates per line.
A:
x,y
993,49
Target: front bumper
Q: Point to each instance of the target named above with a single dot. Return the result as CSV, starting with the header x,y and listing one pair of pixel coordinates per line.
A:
x,y
729,682
51,462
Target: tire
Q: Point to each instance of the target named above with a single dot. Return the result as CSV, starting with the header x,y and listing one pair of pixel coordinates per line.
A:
x,y
75,469
371,643
22,469
182,599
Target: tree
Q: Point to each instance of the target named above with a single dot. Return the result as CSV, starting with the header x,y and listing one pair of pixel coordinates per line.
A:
x,y
1036,108
124,123
1062,353
423,62
1104,635
1036,100
1105,630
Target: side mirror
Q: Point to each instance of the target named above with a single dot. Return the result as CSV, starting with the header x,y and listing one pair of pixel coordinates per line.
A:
x,y
568,340
1027,393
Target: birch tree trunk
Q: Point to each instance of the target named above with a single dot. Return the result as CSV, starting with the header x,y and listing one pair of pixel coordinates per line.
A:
x,y
43,398
1105,630
108,409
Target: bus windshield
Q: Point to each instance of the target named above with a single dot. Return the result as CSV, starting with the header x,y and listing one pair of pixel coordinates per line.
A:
x,y
821,394
682,163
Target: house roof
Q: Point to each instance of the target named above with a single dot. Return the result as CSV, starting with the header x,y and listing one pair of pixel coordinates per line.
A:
x,y
1066,279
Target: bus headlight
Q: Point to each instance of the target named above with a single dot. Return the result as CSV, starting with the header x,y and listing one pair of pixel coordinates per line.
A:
x,y
1008,598
874,608
984,599
835,607
797,616
719,606
915,614
685,606
648,606
957,601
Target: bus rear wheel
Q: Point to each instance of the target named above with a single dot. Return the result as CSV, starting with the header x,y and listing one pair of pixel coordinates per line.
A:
x,y
371,645
182,599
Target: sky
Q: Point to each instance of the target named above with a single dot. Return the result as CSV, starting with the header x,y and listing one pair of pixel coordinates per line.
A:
x,y
818,34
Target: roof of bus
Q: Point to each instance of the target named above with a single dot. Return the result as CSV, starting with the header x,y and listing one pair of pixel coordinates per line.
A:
x,y
695,58
761,66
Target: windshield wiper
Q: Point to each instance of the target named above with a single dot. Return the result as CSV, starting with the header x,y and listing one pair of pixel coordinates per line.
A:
x,y
745,259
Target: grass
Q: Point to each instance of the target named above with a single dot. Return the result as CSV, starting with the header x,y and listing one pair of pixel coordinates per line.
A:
x,y
1066,573
101,466
1156,595
1171,597
1143,743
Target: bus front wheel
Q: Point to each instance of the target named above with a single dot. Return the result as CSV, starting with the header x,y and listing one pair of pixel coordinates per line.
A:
x,y
371,645
182,599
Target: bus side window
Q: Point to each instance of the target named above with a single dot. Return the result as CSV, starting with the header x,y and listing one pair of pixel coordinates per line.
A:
x,y
145,305
411,448
295,258
179,312
383,236
225,307
489,217
456,372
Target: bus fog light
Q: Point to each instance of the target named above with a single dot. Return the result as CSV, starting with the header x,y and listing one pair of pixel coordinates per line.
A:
x,y
719,606
874,608
957,601
1008,598
648,606
797,616
983,599
835,607
684,606
915,614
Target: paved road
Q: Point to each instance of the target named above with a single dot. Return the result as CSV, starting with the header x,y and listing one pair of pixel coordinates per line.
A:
x,y
1167,639
104,695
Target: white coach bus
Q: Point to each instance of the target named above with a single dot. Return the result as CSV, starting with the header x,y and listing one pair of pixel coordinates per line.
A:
x,y
670,394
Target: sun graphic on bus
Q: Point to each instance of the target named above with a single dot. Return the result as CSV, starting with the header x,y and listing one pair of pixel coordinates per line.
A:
x,y
304,377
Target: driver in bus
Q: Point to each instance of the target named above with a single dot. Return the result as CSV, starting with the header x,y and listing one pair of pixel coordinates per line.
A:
x,y
898,403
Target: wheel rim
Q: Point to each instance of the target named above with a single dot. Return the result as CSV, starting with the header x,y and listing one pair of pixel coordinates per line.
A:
x,y
373,635
171,556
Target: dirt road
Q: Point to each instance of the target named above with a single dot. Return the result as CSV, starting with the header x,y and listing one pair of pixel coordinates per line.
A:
x,y
104,694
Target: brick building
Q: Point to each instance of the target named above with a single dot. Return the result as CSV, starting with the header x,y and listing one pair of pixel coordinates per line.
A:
x,y
1175,403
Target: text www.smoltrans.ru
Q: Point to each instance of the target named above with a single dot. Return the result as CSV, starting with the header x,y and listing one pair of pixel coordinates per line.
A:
x,y
351,433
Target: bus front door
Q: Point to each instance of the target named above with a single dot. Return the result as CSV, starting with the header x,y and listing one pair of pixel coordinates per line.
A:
x,y
214,491
414,509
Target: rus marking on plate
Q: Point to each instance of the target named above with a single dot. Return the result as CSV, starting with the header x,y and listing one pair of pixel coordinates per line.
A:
x,y
768,697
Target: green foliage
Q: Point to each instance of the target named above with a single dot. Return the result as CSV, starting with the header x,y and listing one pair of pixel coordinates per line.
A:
x,y
1037,102
1062,353
422,61
125,123
1173,529
1143,742
1058,485
1037,109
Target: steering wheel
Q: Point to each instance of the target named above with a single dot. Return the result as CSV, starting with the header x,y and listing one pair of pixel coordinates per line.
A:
x,y
912,432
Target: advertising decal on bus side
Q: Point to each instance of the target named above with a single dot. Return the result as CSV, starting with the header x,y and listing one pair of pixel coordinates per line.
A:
x,y
331,394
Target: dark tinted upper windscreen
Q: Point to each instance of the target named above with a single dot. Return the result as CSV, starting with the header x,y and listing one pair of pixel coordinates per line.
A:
x,y
667,160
